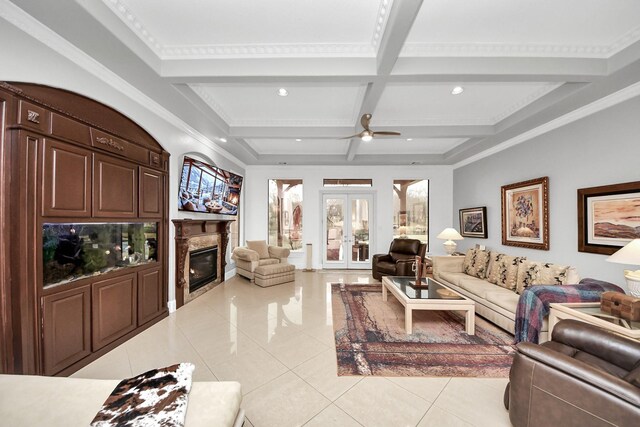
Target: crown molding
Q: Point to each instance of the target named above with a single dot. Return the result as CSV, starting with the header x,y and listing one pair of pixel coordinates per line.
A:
x,y
226,51
211,102
587,110
34,28
536,94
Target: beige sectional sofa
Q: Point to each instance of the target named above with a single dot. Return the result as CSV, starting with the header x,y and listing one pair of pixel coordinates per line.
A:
x,y
497,302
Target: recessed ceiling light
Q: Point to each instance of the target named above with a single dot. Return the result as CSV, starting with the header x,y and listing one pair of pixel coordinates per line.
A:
x,y
283,92
223,139
298,140
457,90
409,139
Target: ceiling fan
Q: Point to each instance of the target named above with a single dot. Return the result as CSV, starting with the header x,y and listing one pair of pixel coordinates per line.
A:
x,y
367,134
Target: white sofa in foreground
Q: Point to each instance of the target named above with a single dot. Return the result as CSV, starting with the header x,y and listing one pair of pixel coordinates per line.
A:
x,y
27,400
497,302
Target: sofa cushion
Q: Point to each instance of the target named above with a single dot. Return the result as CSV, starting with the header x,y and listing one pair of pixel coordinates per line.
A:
x,y
259,246
504,270
476,286
268,261
404,248
504,298
452,277
475,263
532,273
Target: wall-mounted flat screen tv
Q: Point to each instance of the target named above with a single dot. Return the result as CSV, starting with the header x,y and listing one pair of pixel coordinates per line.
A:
x,y
206,188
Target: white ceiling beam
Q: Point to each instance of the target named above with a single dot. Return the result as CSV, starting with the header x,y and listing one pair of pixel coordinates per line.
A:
x,y
401,17
282,67
248,148
320,80
501,69
266,132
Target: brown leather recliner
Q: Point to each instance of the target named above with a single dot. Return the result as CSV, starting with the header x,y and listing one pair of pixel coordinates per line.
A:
x,y
584,376
399,260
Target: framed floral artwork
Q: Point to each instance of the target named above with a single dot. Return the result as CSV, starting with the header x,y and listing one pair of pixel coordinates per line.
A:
x,y
473,222
525,214
608,217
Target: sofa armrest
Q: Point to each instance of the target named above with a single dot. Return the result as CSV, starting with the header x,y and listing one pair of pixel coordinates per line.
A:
x,y
245,254
279,252
581,371
451,264
381,258
404,267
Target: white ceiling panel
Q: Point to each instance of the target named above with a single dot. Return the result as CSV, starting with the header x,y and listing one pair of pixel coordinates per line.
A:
x,y
306,105
293,147
425,104
196,28
415,146
585,28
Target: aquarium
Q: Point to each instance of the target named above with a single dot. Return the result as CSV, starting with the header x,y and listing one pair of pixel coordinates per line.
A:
x,y
76,251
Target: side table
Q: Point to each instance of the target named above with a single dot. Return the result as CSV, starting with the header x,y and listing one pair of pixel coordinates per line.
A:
x,y
589,312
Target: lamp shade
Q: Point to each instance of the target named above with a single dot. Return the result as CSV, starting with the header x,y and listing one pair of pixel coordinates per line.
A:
x,y
629,254
450,234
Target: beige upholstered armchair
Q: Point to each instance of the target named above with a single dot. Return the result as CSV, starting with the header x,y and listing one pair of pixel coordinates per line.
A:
x,y
257,253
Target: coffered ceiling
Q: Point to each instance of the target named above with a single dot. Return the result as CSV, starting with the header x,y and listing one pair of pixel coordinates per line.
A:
x,y
218,65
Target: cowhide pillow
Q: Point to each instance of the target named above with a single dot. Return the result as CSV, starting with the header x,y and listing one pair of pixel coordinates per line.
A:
x,y
156,397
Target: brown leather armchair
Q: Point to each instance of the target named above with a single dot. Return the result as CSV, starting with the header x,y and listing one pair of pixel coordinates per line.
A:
x,y
584,376
399,260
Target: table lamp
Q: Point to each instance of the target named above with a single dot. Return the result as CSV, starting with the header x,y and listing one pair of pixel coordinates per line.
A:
x,y
630,254
450,234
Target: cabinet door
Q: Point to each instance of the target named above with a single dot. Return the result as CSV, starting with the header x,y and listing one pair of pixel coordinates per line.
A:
x,y
66,328
150,295
113,309
115,188
151,193
66,189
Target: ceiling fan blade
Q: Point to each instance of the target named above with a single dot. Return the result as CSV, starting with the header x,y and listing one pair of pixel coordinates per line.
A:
x,y
384,132
357,135
364,121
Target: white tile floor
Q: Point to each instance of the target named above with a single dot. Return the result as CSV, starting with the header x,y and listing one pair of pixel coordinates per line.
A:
x,y
278,343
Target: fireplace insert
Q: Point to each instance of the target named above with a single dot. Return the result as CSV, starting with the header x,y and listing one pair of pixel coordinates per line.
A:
x,y
203,267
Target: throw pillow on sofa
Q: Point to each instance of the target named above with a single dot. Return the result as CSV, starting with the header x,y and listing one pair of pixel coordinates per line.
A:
x,y
504,270
532,273
475,263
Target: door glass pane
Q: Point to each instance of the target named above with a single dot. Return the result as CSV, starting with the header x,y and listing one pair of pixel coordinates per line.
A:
x,y
335,229
360,230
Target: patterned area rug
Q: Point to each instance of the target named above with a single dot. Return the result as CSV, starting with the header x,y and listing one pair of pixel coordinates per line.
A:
x,y
371,340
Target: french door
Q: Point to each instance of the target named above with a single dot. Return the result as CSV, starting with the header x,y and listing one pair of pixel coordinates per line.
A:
x,y
347,218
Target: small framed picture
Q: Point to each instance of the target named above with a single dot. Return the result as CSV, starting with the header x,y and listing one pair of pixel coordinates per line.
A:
x,y
608,217
473,222
525,214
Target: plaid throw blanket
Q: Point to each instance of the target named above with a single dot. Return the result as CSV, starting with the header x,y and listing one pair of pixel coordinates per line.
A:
x,y
533,305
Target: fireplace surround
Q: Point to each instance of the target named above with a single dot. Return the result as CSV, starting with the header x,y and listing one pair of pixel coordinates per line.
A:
x,y
192,237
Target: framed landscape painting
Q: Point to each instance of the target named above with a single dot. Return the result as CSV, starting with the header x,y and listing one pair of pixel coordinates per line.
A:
x,y
608,217
473,222
525,214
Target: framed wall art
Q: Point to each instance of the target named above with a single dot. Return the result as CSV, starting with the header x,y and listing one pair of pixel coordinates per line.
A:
x,y
525,214
608,217
473,222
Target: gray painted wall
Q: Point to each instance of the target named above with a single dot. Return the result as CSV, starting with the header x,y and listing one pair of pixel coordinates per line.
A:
x,y
598,150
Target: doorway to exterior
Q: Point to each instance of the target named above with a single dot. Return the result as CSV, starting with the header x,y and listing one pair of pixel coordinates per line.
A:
x,y
346,225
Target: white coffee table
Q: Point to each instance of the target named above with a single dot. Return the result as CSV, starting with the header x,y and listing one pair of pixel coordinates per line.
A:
x,y
433,296
589,312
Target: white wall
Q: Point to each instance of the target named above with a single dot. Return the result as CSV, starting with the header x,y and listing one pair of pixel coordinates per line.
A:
x,y
256,201
27,60
598,150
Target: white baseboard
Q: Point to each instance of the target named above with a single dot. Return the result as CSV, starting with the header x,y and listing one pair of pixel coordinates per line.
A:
x,y
229,274
171,305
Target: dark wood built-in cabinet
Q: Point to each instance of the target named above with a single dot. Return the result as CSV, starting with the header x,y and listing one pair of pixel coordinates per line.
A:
x,y
68,161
